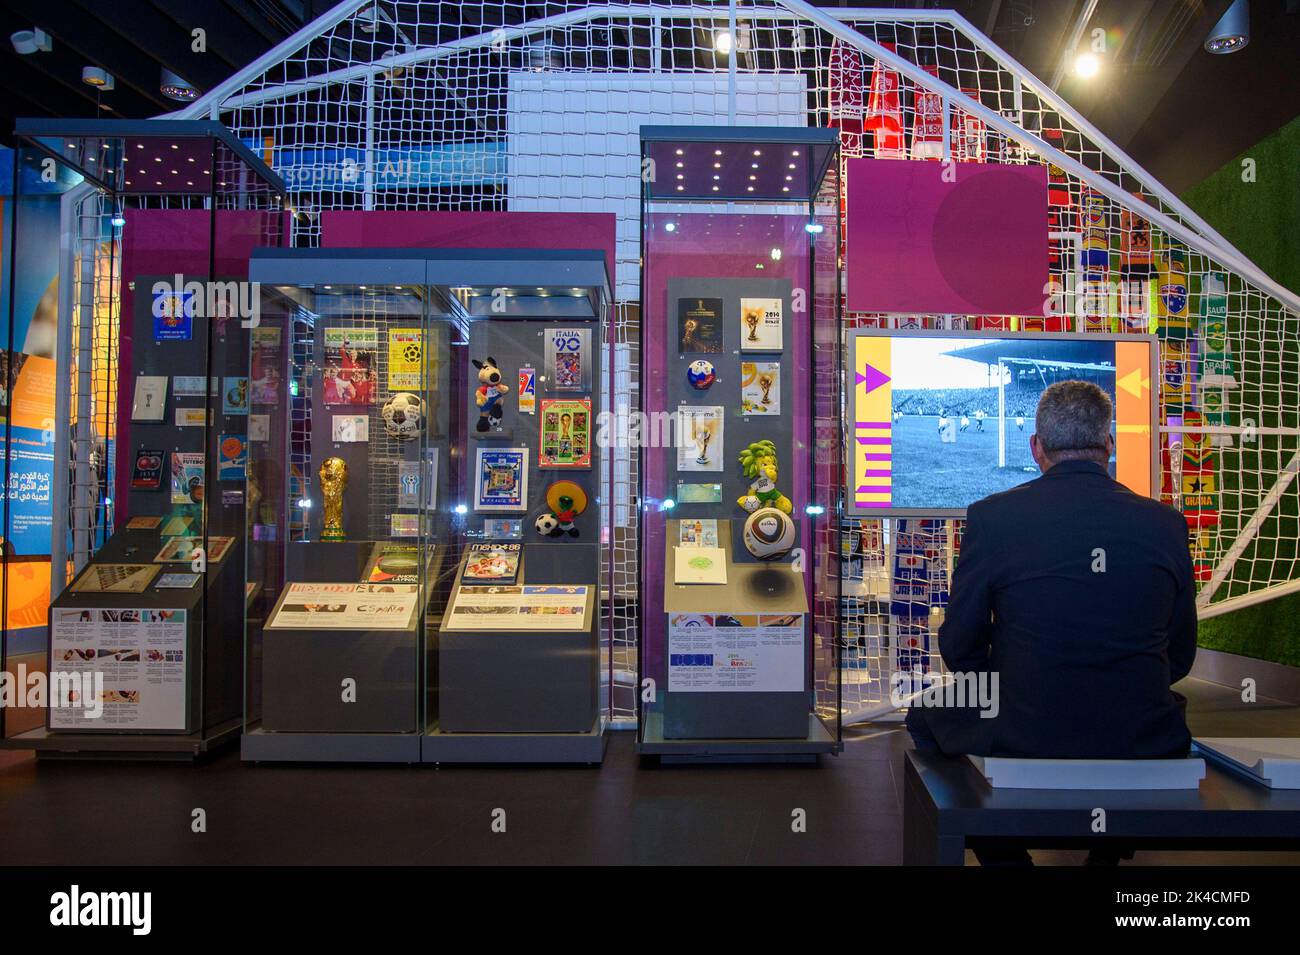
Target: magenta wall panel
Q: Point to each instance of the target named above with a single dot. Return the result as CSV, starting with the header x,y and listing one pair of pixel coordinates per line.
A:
x,y
471,230
975,245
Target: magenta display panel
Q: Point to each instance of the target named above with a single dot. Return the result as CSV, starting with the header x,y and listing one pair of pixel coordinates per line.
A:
x,y
946,238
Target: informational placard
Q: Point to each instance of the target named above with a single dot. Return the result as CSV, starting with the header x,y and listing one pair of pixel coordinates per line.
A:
x,y
323,606
735,653
539,607
140,655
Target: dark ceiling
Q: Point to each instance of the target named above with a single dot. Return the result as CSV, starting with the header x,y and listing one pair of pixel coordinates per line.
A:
x,y
1179,111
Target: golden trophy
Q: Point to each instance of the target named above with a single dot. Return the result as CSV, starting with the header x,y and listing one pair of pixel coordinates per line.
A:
x,y
333,481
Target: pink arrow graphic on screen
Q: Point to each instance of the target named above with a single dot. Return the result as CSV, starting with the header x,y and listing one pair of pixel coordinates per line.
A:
x,y
874,378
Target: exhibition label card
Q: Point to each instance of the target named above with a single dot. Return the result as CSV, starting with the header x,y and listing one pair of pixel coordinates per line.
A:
x,y
191,417
177,581
150,400
760,387
542,607
141,654
699,438
760,324
404,525
735,653
143,523
309,606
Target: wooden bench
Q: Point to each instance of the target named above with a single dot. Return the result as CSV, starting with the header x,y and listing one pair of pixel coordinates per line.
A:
x,y
946,803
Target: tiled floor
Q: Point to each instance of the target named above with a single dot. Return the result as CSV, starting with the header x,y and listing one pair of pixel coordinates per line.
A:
x,y
95,814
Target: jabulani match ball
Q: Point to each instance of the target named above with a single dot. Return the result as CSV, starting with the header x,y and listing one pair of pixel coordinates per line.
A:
x,y
546,524
403,416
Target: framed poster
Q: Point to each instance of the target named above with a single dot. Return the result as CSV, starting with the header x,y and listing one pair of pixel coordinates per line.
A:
x,y
234,395
150,400
232,461
760,387
405,359
699,325
501,482
187,477
760,324
699,438
146,473
351,360
568,359
565,440
264,366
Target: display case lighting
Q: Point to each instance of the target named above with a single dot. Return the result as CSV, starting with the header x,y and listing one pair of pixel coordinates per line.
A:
x,y
814,509
814,228
670,226
461,509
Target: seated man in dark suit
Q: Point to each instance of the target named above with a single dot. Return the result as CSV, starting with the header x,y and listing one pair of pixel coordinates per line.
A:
x,y
1078,594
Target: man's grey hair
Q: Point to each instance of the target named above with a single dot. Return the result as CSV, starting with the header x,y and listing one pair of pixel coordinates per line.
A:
x,y
1073,420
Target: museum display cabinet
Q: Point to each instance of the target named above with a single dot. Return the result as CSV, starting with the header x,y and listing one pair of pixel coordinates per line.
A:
x,y
740,449
135,373
424,560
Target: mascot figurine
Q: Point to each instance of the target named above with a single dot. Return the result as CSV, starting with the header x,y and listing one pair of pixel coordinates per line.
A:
x,y
488,395
759,464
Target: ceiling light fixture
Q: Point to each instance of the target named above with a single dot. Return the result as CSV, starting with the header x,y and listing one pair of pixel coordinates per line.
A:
x,y
96,77
1086,66
31,41
174,87
1232,32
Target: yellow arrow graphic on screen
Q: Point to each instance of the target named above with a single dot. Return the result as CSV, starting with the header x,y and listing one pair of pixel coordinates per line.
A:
x,y
1134,383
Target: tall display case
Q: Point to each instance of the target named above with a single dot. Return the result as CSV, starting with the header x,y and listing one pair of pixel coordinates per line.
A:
x,y
740,460
424,562
141,538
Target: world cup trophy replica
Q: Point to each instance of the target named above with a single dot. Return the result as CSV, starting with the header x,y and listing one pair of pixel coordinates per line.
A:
x,y
333,482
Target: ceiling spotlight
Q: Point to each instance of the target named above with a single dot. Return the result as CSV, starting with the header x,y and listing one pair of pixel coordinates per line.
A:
x,y
173,87
722,42
94,76
30,41
1232,32
1086,66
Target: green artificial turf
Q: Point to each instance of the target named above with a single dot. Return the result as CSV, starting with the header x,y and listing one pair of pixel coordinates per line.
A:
x,y
1262,219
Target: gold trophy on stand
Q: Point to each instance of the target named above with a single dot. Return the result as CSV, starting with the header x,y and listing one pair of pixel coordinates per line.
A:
x,y
333,481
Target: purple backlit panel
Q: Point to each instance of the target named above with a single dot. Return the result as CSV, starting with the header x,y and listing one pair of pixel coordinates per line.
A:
x,y
948,238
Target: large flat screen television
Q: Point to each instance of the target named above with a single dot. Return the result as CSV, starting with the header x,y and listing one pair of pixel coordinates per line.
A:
x,y
939,419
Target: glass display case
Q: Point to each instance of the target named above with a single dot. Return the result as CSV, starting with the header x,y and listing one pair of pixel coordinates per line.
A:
x,y
128,423
424,561
740,457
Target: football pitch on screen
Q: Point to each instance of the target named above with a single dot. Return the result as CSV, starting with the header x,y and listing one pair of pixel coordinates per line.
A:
x,y
931,474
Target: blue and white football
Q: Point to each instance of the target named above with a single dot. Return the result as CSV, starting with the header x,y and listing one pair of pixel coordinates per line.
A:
x,y
700,374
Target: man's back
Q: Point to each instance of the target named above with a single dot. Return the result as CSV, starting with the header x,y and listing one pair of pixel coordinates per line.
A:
x,y
1089,588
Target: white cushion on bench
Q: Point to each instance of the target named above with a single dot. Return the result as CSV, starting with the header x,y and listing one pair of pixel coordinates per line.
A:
x,y
1005,773
1271,762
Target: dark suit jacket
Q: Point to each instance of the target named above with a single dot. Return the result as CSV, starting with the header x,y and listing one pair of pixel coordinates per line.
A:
x,y
1084,659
